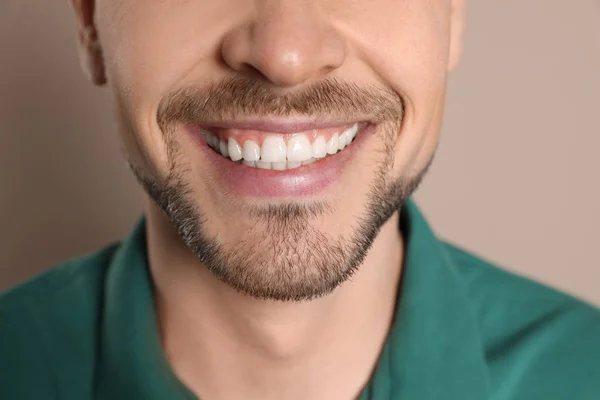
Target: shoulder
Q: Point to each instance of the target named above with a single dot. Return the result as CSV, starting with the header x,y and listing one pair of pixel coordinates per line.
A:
x,y
47,327
539,343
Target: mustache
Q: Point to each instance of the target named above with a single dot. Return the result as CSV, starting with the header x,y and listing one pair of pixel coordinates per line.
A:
x,y
240,97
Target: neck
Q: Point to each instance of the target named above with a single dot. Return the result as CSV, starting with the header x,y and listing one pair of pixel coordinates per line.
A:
x,y
222,344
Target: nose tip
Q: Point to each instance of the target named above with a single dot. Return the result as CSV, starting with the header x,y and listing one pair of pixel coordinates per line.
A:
x,y
286,51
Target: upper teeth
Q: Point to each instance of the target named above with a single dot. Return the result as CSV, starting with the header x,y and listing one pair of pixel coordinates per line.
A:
x,y
276,154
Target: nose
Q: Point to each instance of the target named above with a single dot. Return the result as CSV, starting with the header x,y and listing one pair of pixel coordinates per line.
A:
x,y
285,43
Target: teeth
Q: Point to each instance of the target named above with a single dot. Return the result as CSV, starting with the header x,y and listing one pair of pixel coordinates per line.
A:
x,y
210,138
293,164
332,144
347,136
234,149
343,140
251,151
223,149
273,149
319,147
263,165
299,148
275,154
279,166
353,131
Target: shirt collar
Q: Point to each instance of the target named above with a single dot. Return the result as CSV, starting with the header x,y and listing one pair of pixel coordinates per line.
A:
x,y
131,362
433,350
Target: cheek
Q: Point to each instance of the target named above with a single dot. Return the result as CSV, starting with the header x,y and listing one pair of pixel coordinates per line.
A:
x,y
148,52
154,46
410,53
143,64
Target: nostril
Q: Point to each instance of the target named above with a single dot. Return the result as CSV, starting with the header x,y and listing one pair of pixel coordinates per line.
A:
x,y
270,75
252,72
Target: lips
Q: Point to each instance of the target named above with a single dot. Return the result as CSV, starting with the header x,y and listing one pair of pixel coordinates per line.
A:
x,y
262,163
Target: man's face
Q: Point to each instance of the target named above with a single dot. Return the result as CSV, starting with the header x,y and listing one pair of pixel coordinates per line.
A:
x,y
234,116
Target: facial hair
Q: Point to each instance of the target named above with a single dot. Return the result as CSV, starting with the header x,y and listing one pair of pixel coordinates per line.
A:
x,y
287,259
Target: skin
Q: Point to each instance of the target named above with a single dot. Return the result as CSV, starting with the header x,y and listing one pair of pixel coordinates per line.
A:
x,y
227,339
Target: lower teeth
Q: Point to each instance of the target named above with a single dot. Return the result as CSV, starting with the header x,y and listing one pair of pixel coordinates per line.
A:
x,y
277,166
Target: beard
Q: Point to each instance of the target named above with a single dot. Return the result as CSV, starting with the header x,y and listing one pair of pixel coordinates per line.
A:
x,y
285,258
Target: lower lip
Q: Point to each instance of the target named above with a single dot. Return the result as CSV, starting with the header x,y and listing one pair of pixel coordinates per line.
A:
x,y
303,181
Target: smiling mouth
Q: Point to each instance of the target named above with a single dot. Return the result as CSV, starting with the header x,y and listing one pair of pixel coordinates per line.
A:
x,y
279,158
279,151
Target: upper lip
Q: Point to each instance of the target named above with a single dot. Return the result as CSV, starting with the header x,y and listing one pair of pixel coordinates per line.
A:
x,y
279,125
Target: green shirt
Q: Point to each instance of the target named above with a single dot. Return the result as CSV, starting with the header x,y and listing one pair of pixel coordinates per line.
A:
x,y
464,330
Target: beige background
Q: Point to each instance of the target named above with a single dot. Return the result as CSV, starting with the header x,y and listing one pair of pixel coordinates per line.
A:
x,y
516,179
